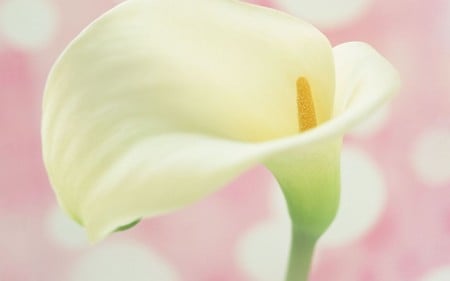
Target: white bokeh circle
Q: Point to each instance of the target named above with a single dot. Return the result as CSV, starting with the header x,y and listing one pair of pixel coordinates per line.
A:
x,y
325,13
28,24
362,201
277,204
263,251
438,274
431,156
122,261
64,231
373,124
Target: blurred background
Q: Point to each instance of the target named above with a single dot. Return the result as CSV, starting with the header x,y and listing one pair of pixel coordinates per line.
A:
x,y
394,221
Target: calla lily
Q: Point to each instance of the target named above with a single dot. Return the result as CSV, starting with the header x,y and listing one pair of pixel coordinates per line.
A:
x,y
159,103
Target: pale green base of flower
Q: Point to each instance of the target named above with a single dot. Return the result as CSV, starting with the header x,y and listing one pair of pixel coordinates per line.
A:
x,y
311,188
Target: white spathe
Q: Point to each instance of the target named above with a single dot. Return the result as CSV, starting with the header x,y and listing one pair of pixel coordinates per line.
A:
x,y
158,103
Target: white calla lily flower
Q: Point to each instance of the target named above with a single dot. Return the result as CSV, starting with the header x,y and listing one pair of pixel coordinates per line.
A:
x,y
158,103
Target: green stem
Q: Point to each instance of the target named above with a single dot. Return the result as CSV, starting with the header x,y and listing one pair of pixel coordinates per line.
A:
x,y
302,250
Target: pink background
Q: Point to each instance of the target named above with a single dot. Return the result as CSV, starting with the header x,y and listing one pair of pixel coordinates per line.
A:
x,y
395,222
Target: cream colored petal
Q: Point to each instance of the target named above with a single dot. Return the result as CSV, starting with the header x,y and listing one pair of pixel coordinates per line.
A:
x,y
147,110
364,79
212,66
152,68
160,174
